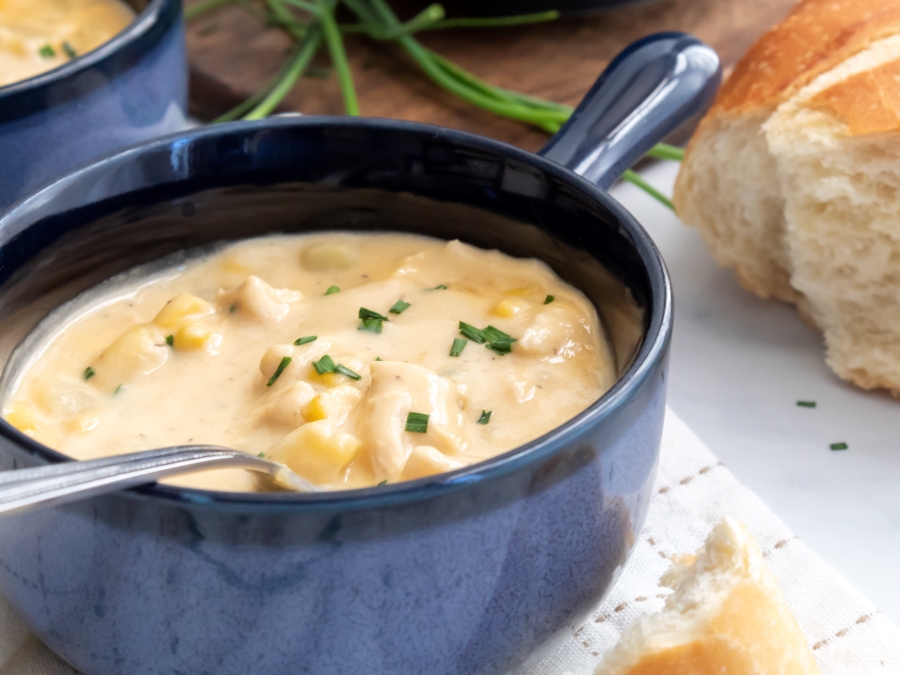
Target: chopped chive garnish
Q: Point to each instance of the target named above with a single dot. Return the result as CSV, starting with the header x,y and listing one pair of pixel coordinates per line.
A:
x,y
501,347
344,370
332,290
306,340
485,416
806,404
324,365
440,287
261,455
549,299
89,373
378,358
474,334
69,50
372,325
399,307
232,309
170,340
495,334
384,482
47,52
369,314
838,446
118,389
285,362
458,345
417,423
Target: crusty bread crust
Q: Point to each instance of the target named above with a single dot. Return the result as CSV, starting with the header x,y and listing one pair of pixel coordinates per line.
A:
x,y
794,165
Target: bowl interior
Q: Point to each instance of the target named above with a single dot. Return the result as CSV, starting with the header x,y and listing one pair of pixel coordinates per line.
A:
x,y
305,175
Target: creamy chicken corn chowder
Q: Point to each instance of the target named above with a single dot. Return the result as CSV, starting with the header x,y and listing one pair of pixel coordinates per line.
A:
x,y
39,35
354,359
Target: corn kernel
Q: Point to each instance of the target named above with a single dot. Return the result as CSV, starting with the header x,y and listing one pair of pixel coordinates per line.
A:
x,y
506,309
523,292
314,411
191,336
319,451
182,307
140,349
22,417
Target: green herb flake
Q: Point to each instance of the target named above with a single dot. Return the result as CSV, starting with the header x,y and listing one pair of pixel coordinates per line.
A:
x,y
324,365
417,423
344,370
261,455
118,389
170,340
439,287
806,404
306,340
47,52
399,307
370,314
372,325
838,446
549,299
89,373
458,345
474,334
232,309
498,341
384,482
332,290
378,358
485,416
69,50
285,362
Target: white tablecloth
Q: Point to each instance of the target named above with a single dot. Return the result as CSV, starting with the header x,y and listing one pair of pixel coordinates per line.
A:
x,y
848,635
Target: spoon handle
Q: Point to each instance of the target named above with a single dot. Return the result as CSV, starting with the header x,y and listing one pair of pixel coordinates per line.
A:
x,y
45,486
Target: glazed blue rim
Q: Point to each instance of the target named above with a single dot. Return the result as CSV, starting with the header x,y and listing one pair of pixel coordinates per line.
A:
x,y
78,77
651,352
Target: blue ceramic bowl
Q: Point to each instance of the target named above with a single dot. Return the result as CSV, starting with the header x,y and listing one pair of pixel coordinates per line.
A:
x,y
130,89
462,573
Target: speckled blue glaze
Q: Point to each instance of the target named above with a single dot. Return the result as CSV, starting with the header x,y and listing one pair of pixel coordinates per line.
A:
x,y
463,573
128,90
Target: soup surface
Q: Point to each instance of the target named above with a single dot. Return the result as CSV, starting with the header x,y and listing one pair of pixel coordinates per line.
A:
x,y
355,359
38,35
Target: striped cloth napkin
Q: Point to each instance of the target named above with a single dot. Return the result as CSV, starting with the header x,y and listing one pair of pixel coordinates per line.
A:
x,y
693,491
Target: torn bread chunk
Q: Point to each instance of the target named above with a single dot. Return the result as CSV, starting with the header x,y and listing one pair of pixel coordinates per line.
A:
x,y
726,615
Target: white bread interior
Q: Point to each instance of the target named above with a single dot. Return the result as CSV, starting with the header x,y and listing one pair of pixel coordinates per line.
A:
x,y
726,614
842,212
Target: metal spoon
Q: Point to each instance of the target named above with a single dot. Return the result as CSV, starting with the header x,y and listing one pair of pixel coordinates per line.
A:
x,y
25,489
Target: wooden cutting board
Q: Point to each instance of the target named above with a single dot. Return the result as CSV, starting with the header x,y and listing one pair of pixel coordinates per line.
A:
x,y
233,54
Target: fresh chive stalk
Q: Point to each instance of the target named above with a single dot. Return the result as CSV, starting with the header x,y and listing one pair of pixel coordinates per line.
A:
x,y
806,404
47,52
89,373
306,340
344,370
399,307
324,365
170,340
332,290
549,299
370,314
417,423
457,347
485,416
839,446
285,362
69,50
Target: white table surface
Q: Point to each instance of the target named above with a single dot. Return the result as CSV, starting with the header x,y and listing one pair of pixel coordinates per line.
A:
x,y
739,365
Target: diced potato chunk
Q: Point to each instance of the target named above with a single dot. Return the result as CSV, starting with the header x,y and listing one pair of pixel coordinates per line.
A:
x,y
191,336
62,398
272,359
427,461
286,405
22,416
82,424
553,332
334,404
319,451
329,256
138,351
256,298
182,307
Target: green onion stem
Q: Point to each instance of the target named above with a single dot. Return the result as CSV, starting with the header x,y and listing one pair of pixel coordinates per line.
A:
x,y
666,151
306,6
300,63
339,58
282,16
200,7
424,20
635,178
496,22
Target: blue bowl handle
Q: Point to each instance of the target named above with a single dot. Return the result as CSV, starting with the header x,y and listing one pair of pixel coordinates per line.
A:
x,y
648,91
